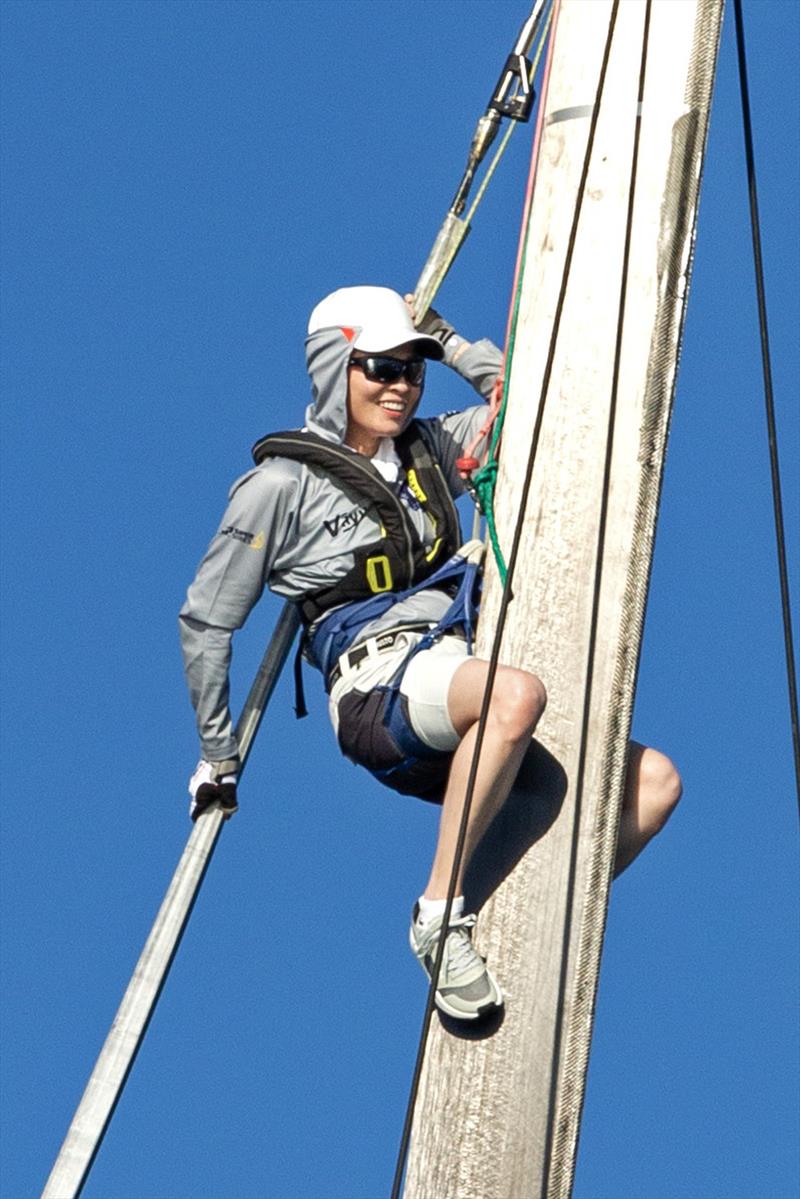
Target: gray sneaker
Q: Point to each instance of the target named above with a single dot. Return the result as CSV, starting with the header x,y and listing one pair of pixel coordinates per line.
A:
x,y
466,988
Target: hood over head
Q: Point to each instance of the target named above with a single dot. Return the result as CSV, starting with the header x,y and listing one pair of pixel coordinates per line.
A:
x,y
370,319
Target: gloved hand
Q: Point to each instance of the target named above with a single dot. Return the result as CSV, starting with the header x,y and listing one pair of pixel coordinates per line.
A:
x,y
214,782
434,325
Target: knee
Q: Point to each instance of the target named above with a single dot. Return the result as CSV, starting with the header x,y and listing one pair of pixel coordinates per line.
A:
x,y
518,701
661,787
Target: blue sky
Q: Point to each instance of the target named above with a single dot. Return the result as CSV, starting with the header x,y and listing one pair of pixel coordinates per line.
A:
x,y
181,183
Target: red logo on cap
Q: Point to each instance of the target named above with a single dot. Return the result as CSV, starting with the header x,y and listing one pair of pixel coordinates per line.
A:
x,y
348,332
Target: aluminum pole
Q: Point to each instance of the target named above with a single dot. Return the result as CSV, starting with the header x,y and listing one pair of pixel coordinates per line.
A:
x,y
118,1054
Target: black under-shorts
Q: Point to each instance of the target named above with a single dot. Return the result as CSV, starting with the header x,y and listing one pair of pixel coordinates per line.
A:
x,y
375,732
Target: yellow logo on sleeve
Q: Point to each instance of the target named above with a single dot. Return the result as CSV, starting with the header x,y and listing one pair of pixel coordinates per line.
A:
x,y
253,541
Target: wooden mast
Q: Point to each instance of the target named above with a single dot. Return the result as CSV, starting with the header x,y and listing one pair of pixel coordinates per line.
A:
x,y
498,1112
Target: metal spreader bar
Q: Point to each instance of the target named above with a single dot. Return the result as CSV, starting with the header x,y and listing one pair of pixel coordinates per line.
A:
x,y
118,1054
512,97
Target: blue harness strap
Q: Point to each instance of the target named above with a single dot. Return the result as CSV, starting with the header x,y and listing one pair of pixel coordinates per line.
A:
x,y
334,635
414,751
410,766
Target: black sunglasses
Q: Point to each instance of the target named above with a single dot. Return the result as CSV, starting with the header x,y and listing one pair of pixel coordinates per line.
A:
x,y
381,368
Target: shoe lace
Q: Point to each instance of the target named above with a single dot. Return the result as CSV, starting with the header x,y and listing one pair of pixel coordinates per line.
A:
x,y
461,953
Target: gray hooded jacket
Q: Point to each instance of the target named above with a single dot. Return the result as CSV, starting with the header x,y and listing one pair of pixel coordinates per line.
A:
x,y
293,529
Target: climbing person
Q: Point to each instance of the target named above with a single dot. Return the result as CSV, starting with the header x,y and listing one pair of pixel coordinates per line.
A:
x,y
352,517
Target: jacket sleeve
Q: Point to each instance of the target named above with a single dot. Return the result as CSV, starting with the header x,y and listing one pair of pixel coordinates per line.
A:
x,y
479,364
229,582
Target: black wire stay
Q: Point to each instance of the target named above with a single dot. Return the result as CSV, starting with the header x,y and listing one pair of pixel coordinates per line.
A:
x,y
507,596
580,773
768,393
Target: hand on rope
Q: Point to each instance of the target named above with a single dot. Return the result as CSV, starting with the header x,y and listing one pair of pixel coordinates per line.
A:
x,y
435,325
214,783
481,486
480,481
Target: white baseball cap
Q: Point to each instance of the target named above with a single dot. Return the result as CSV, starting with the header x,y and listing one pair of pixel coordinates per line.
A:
x,y
373,319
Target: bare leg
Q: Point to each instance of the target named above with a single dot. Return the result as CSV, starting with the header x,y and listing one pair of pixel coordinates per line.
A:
x,y
518,700
652,789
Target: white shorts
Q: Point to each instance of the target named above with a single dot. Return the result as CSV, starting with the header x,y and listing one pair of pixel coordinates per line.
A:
x,y
425,684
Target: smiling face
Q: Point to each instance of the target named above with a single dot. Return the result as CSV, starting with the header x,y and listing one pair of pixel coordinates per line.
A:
x,y
376,410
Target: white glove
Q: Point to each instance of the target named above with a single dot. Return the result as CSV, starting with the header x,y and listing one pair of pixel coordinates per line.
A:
x,y
437,326
214,783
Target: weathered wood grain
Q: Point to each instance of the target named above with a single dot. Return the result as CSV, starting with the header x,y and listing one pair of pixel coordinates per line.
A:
x,y
498,1111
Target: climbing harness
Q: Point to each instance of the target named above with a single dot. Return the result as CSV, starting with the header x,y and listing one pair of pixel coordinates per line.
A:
x,y
390,569
459,577
398,559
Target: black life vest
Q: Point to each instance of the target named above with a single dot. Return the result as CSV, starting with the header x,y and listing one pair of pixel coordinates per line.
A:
x,y
398,560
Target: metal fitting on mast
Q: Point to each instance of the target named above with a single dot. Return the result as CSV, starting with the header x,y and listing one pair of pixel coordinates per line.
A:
x,y
513,98
519,70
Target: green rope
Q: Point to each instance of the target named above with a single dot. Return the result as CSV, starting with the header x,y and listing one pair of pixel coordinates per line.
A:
x,y
484,483
485,479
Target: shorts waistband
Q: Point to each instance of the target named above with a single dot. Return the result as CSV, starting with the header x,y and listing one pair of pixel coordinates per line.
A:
x,y
371,648
380,644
